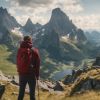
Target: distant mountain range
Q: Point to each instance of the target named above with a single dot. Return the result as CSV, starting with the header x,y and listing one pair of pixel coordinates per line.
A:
x,y
60,37
93,37
61,24
58,41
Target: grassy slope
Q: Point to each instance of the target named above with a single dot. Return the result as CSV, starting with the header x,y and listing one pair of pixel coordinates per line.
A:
x,y
6,66
11,93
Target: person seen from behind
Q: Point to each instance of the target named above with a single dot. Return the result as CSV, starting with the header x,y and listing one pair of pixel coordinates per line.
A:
x,y
28,65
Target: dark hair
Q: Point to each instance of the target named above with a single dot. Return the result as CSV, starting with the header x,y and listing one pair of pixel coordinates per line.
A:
x,y
27,38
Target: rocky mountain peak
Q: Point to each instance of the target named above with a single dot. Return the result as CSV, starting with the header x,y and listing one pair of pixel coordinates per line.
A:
x,y
58,14
60,22
8,21
3,10
29,26
56,10
29,22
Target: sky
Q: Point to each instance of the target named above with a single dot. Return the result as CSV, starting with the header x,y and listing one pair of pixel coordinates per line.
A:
x,y
85,14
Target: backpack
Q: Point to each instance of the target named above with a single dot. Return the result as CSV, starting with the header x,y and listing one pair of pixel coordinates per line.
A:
x,y
24,60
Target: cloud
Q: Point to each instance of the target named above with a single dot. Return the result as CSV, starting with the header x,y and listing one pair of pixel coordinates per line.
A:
x,y
40,11
69,6
22,19
40,14
33,3
72,6
87,22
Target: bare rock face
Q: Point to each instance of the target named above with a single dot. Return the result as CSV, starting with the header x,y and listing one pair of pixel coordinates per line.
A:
x,y
71,78
68,79
7,20
2,89
87,84
3,77
89,80
7,23
30,27
63,26
60,22
97,61
59,86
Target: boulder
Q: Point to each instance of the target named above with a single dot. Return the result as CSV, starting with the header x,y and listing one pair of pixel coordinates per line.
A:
x,y
68,79
59,86
97,62
87,84
2,89
3,77
71,78
14,81
43,85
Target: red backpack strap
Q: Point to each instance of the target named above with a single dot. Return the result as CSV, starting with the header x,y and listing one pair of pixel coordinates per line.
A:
x,y
36,61
33,58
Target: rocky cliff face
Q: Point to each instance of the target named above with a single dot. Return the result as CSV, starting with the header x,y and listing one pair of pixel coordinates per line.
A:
x,y
6,37
7,20
60,22
30,27
7,24
93,37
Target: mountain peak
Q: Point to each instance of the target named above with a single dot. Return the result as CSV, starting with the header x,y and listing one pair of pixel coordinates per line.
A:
x,y
60,22
58,15
29,26
3,10
57,11
8,21
29,21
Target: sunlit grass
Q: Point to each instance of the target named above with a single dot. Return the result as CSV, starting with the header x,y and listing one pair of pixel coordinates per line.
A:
x,y
6,66
11,93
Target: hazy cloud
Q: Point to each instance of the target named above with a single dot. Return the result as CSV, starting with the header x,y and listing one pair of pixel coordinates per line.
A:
x,y
70,6
87,22
39,13
33,3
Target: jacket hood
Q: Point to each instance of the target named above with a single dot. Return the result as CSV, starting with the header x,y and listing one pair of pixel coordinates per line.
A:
x,y
26,44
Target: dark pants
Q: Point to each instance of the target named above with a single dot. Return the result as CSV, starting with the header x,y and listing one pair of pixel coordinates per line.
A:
x,y
23,80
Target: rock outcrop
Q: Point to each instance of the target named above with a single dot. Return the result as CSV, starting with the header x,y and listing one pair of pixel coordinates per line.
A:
x,y
59,86
89,80
2,90
7,20
31,28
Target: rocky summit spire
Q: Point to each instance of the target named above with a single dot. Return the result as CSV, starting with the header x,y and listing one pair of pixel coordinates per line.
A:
x,y
60,22
30,27
29,22
3,10
58,14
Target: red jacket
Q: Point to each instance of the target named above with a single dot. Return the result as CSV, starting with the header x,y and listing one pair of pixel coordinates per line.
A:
x,y
23,69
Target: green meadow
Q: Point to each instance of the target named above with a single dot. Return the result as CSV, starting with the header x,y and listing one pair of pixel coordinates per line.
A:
x,y
6,66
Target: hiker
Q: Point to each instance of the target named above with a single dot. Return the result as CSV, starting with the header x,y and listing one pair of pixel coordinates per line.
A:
x,y
28,65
